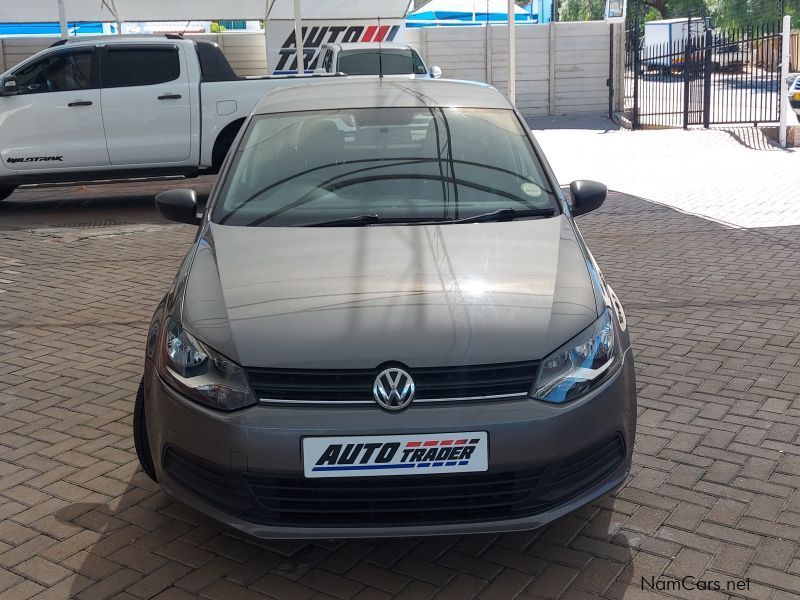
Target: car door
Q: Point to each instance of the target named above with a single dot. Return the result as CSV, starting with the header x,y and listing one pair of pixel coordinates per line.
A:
x,y
146,104
54,121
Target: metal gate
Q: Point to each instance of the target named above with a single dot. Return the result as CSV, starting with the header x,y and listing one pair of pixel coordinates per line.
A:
x,y
709,77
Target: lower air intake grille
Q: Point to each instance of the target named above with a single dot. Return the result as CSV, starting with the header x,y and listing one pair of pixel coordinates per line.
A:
x,y
404,500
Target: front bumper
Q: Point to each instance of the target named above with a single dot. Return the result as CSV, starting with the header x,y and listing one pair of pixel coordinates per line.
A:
x,y
263,443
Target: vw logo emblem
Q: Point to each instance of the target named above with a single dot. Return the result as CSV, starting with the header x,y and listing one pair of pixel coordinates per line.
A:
x,y
393,389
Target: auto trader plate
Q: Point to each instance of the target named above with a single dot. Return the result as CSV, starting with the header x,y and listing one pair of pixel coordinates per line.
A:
x,y
373,455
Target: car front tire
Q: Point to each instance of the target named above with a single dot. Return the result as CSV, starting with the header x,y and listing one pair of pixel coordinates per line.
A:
x,y
140,440
5,192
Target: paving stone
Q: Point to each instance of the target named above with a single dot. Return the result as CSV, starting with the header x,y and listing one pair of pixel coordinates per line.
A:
x,y
511,582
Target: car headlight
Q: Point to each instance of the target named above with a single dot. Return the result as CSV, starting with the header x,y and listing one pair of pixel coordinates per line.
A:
x,y
201,373
578,365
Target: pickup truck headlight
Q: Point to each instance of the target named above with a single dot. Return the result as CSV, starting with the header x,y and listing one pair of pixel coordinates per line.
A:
x,y
200,372
580,364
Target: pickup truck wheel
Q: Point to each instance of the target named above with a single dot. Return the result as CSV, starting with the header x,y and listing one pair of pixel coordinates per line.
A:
x,y
224,143
140,440
5,192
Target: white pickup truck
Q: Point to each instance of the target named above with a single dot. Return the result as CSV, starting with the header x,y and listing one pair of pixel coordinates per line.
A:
x,y
119,107
375,58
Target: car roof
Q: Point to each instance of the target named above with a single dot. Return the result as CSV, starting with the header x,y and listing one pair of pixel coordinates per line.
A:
x,y
345,46
93,40
326,93
373,46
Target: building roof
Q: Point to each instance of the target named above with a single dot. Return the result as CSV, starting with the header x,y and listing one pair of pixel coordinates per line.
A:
x,y
671,21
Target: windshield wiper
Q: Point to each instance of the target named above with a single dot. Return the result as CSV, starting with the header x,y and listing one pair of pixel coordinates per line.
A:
x,y
345,222
503,214
507,214
371,219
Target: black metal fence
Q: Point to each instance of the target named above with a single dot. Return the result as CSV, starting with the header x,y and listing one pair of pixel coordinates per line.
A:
x,y
703,76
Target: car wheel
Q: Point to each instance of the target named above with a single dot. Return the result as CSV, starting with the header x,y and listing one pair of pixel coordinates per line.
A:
x,y
140,440
5,192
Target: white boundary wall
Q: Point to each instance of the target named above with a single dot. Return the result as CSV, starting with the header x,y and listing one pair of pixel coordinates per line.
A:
x,y
562,68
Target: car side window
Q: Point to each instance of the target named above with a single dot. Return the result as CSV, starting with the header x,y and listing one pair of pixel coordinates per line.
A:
x,y
326,63
58,72
131,67
419,66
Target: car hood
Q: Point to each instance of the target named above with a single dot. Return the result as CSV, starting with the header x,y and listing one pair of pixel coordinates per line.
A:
x,y
357,297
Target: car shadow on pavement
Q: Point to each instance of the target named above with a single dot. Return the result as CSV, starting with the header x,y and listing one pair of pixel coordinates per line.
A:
x,y
96,205
145,543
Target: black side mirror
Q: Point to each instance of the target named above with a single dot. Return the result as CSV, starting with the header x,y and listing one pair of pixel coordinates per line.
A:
x,y
9,86
586,196
178,205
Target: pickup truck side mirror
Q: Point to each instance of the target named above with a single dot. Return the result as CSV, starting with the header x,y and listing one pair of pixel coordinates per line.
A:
x,y
586,196
178,205
436,72
9,86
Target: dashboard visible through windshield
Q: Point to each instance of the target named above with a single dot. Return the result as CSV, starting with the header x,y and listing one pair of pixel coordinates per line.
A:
x,y
370,166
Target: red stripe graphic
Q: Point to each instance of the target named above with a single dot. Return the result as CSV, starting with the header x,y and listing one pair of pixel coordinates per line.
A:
x,y
382,33
429,443
369,34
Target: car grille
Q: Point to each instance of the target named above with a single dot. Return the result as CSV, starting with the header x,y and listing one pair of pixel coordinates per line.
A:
x,y
395,501
349,386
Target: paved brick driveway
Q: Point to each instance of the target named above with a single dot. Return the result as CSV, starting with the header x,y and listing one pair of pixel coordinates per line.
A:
x,y
715,316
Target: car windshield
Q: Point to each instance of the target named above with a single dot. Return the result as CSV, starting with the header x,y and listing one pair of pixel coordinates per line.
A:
x,y
373,61
400,165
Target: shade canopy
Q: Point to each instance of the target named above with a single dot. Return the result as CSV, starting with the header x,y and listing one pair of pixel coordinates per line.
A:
x,y
461,10
38,11
51,28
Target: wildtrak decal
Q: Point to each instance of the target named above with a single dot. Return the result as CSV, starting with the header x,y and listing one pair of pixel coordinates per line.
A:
x,y
11,161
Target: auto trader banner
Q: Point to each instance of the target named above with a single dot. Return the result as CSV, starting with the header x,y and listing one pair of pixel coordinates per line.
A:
x,y
282,53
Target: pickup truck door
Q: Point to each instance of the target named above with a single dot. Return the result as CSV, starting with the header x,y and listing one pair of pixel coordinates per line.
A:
x,y
146,104
55,121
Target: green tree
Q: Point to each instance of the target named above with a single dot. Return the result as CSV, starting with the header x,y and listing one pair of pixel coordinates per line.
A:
x,y
581,10
723,13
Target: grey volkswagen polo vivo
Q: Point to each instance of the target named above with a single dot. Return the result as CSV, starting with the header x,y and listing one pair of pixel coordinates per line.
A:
x,y
388,325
